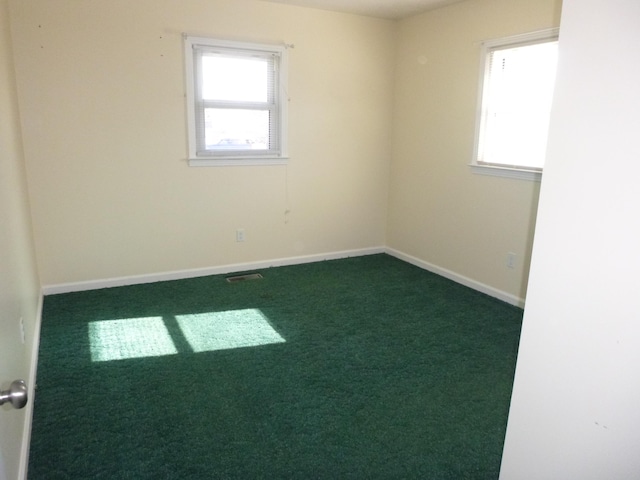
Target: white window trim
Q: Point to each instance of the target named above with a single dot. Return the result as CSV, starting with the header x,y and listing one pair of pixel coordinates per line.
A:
x,y
501,171
234,160
487,46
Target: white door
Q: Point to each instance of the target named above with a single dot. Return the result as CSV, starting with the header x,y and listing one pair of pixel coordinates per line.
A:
x,y
19,286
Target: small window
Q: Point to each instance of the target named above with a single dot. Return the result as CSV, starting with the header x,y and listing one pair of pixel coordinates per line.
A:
x,y
236,102
517,82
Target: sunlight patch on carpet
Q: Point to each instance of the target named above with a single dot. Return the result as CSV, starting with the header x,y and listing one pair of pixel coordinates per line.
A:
x,y
205,332
129,338
211,331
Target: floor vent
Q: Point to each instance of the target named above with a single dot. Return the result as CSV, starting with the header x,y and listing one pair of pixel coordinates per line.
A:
x,y
242,278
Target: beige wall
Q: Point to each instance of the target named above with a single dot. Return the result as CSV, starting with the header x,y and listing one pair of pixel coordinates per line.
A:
x,y
19,287
439,211
101,87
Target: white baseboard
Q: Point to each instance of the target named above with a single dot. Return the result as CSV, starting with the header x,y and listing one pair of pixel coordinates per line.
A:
x,y
202,272
31,393
461,279
280,262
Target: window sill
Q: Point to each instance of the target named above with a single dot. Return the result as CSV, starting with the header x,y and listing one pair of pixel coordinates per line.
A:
x,y
521,174
239,161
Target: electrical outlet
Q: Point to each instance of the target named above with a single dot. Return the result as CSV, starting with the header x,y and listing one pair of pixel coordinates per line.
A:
x,y
511,260
240,235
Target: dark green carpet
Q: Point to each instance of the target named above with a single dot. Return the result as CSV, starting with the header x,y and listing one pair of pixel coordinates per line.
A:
x,y
386,372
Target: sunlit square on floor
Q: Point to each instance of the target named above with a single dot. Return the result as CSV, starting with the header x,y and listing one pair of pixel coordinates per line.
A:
x,y
129,338
230,329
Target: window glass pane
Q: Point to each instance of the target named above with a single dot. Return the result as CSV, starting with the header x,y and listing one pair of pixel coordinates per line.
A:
x,y
518,105
235,79
234,129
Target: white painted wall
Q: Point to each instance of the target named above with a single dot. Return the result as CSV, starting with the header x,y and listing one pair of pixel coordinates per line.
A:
x,y
105,141
439,211
19,286
575,408
101,89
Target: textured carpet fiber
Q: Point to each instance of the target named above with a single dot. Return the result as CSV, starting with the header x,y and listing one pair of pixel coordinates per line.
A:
x,y
363,368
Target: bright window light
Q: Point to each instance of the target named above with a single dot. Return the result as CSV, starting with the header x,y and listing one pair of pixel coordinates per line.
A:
x,y
228,129
225,330
235,79
129,338
236,102
518,84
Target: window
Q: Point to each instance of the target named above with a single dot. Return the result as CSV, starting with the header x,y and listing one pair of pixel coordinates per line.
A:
x,y
517,82
236,102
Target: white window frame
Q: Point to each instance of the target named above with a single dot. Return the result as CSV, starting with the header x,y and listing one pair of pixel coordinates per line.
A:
x,y
489,46
197,157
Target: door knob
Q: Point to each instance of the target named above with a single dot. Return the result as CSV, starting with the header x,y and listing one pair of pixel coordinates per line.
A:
x,y
16,395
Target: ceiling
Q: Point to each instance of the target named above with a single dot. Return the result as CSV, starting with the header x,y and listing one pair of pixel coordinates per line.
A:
x,y
393,9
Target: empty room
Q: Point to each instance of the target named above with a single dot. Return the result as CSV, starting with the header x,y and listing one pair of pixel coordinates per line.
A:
x,y
319,239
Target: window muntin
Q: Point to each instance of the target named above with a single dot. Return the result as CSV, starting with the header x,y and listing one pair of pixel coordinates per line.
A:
x,y
237,111
517,79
